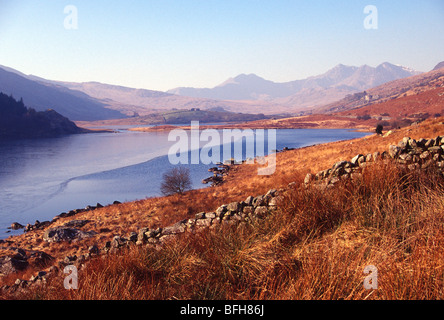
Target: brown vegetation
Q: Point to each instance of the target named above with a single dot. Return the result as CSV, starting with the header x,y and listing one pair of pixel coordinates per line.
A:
x,y
315,246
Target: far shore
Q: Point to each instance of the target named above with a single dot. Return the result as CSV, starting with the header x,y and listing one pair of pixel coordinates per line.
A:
x,y
304,122
316,121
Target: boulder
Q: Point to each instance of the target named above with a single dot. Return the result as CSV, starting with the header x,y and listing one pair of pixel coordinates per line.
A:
x,y
200,215
435,149
421,142
13,264
234,206
59,234
118,242
340,164
76,223
425,155
261,211
132,237
355,160
16,226
141,235
308,178
204,222
221,210
37,225
405,158
249,201
70,259
412,144
248,210
259,201
429,143
94,249
176,228
210,215
404,143
39,258
394,151
273,202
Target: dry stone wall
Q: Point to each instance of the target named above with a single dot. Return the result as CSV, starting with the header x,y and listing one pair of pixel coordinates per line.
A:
x,y
409,153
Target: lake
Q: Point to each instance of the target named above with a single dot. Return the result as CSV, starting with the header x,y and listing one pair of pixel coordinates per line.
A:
x,y
41,178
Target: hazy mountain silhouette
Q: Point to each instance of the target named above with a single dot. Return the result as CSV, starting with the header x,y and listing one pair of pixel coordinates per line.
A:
x,y
244,93
439,65
339,81
41,96
144,102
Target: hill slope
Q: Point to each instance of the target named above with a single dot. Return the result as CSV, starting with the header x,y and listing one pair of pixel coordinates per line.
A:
x,y
402,88
144,102
17,121
439,65
42,96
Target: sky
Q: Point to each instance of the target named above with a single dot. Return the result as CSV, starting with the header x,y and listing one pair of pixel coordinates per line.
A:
x,y
164,44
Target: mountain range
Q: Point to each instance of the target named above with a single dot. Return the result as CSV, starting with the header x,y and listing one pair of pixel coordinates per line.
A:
x,y
316,90
244,93
416,94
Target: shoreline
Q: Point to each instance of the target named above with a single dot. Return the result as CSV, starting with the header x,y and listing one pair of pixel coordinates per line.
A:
x,y
203,185
316,121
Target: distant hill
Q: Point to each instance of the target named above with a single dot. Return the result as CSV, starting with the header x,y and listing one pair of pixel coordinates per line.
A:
x,y
18,121
313,91
408,88
242,87
185,116
41,96
182,116
143,102
439,65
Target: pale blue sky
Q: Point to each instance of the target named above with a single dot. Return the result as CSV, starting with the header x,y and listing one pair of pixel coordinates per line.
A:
x,y
162,44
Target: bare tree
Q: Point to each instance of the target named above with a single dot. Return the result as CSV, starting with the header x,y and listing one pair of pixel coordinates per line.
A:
x,y
177,180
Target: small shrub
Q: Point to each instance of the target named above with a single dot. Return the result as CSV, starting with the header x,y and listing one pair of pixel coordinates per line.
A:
x,y
177,180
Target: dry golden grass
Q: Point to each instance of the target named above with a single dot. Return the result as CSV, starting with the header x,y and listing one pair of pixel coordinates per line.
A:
x,y
314,247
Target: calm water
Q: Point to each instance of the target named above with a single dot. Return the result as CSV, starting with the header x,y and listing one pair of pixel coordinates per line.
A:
x,y
39,179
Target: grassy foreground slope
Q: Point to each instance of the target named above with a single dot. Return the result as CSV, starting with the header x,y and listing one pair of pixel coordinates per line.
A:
x,y
315,246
